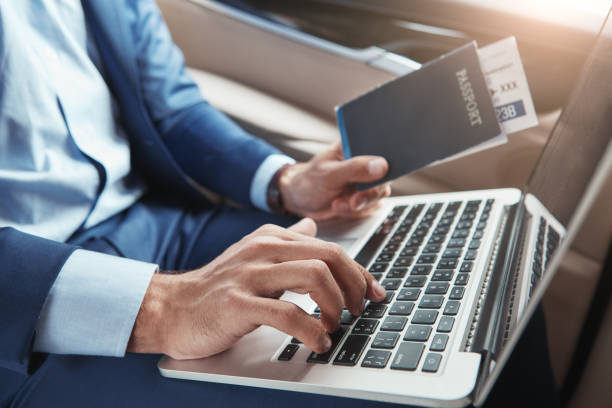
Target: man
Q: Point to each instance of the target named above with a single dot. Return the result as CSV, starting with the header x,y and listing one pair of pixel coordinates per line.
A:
x,y
104,144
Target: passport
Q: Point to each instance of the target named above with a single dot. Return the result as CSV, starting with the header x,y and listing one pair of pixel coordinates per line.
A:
x,y
426,116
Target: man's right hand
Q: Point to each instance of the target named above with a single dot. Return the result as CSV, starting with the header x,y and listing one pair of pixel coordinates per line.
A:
x,y
205,311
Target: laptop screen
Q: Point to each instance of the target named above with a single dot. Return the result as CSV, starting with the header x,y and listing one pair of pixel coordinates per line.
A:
x,y
580,136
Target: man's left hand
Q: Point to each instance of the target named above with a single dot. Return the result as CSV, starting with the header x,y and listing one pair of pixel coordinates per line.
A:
x,y
324,187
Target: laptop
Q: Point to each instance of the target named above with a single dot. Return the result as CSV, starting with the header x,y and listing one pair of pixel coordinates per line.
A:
x,y
464,272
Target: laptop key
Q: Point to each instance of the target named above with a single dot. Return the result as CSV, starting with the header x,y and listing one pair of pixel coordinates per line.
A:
x,y
460,233
409,251
403,261
432,248
437,288
351,350
379,267
393,323
448,263
470,255
439,342
452,253
296,341
456,293
446,324
374,310
346,317
456,243
421,270
432,362
451,308
408,294
427,259
391,284
424,317
431,302
386,340
288,352
401,308
385,257
377,276
397,273
462,279
365,326
325,357
466,266
443,275
417,332
436,239
416,281
391,247
407,356
376,358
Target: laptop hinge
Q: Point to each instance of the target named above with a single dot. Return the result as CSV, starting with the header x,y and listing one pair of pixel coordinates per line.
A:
x,y
490,325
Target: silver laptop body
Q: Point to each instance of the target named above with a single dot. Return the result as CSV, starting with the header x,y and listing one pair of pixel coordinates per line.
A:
x,y
464,273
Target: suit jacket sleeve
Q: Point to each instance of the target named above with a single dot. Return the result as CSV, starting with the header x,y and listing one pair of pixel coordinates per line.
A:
x,y
29,267
209,147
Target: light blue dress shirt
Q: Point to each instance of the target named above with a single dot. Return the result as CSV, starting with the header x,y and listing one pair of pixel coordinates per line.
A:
x,y
65,163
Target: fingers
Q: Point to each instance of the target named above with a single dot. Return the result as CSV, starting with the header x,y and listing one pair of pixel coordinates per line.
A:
x,y
361,200
289,318
356,169
347,273
308,276
306,226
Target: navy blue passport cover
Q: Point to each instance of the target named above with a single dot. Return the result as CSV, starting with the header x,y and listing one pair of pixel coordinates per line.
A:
x,y
430,114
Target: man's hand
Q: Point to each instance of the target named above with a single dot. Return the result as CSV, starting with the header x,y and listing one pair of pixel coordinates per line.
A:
x,y
203,312
324,187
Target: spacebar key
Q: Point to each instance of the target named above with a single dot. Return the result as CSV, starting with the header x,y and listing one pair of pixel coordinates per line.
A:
x,y
324,358
407,356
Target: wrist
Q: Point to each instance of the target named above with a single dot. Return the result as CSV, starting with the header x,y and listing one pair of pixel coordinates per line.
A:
x,y
286,188
277,195
149,334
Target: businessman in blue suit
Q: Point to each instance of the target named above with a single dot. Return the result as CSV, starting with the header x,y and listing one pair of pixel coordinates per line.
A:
x,y
110,252
107,243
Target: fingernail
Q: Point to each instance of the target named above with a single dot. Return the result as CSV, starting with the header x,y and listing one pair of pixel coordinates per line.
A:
x,y
361,204
378,289
327,343
376,167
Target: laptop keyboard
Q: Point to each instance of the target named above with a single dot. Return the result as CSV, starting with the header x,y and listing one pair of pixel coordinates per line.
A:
x,y
425,266
546,245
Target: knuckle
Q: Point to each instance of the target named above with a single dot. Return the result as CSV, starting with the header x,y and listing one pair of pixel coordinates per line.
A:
x,y
234,299
262,244
335,251
267,228
319,271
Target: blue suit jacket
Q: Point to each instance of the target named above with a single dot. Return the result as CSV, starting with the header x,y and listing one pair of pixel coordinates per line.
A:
x,y
177,140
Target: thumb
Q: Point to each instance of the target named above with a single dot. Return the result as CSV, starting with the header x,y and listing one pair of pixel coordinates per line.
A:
x,y
305,226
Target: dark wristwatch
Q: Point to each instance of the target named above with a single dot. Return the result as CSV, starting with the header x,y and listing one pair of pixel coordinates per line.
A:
x,y
274,198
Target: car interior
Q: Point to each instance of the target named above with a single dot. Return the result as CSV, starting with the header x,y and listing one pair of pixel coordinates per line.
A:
x,y
279,68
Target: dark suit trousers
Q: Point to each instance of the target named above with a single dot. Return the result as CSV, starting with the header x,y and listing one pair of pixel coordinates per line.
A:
x,y
176,238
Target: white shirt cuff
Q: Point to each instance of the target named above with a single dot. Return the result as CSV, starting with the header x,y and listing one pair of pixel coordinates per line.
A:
x,y
263,176
93,304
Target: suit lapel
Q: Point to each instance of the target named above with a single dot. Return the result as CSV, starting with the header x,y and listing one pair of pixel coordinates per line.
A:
x,y
115,45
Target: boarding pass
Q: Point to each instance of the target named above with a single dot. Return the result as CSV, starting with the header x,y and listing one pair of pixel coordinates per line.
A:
x,y
501,65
